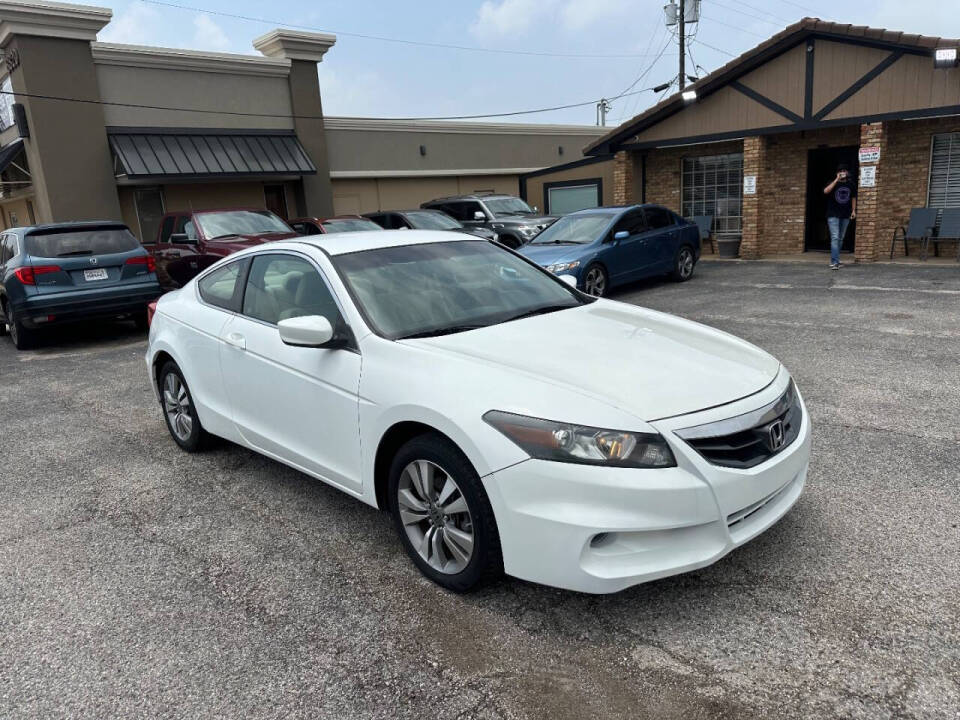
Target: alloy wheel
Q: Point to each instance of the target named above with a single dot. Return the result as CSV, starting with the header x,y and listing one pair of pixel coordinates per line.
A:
x,y
176,404
595,282
685,263
435,516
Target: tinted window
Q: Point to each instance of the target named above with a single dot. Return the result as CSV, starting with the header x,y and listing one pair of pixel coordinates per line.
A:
x,y
101,241
185,225
462,211
280,287
632,222
658,217
305,228
219,287
447,286
166,229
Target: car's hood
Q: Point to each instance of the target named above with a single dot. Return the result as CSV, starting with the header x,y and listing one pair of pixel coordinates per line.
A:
x,y
526,219
549,254
235,243
645,363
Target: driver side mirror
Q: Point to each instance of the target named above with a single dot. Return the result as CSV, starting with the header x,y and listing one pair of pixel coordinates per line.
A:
x,y
479,216
183,239
306,331
620,235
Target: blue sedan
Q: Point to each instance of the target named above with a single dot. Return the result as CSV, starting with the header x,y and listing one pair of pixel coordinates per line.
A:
x,y
606,247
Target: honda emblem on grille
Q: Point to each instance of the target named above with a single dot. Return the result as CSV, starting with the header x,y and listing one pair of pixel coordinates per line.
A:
x,y
93,261
775,435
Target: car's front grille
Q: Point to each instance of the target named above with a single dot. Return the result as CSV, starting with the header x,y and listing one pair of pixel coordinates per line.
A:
x,y
750,439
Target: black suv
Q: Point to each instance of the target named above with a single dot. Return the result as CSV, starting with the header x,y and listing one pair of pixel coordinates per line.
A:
x,y
510,217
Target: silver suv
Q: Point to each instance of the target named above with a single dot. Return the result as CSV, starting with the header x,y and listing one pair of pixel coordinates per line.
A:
x,y
515,222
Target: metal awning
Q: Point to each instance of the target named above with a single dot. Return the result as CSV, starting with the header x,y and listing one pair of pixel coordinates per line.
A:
x,y
8,153
157,154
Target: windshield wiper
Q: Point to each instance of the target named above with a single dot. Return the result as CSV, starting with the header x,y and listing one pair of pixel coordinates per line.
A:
x,y
441,331
75,252
225,235
542,310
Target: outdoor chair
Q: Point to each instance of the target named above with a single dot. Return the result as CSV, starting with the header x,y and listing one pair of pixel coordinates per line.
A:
x,y
949,230
704,224
920,228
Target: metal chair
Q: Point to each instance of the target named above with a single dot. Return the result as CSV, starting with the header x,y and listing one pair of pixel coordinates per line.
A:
x,y
704,224
949,230
921,227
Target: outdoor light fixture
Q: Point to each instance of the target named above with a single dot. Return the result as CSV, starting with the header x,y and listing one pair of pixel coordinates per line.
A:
x,y
689,95
946,58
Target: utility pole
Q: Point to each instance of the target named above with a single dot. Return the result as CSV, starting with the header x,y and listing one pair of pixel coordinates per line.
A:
x,y
602,107
682,20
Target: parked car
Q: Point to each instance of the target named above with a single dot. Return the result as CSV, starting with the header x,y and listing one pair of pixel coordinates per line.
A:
x,y
506,420
604,247
339,223
424,219
511,218
63,272
190,242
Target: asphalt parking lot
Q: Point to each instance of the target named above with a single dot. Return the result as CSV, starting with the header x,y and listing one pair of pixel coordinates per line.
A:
x,y
138,580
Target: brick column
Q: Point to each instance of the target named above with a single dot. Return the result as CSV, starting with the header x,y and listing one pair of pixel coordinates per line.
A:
x,y
623,180
754,159
867,244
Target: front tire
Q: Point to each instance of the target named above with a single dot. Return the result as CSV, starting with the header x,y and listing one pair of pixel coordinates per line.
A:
x,y
683,264
443,515
596,282
179,411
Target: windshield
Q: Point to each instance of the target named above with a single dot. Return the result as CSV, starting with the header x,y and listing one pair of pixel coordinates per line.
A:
x,y
507,206
578,229
349,225
444,287
101,241
240,222
432,221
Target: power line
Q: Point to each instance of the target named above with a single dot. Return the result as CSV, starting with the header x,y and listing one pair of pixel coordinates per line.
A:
x,y
721,22
402,41
514,113
719,50
764,12
752,16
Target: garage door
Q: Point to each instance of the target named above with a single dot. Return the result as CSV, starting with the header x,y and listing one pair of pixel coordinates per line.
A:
x,y
565,197
945,171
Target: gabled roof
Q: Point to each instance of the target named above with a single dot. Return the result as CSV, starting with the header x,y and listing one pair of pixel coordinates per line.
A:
x,y
785,39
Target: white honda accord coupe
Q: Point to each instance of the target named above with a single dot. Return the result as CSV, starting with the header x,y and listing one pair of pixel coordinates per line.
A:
x,y
508,422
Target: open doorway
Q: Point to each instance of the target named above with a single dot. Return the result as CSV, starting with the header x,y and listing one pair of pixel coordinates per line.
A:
x,y
821,170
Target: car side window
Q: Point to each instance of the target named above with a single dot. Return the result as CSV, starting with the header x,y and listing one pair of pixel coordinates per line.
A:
x,y
280,287
658,218
399,221
632,222
220,286
166,229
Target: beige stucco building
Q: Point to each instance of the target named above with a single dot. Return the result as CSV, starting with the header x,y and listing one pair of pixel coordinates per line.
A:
x,y
92,130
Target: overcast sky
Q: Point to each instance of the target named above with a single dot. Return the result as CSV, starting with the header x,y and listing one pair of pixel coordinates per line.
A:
x,y
363,77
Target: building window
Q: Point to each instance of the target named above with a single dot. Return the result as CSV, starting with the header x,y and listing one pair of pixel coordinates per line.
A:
x,y
149,204
944,184
6,104
571,195
712,185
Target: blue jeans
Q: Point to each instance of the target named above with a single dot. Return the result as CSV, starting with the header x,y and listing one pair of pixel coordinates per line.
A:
x,y
838,230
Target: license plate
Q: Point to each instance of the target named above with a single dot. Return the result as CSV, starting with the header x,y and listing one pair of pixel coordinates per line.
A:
x,y
98,274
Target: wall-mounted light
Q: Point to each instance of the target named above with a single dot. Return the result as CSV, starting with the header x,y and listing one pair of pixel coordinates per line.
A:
x,y
423,149
689,95
946,58
560,150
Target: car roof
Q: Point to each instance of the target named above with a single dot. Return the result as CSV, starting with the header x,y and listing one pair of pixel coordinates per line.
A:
x,y
343,243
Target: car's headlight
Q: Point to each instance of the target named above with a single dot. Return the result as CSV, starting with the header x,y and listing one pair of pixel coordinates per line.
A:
x,y
528,230
558,268
564,442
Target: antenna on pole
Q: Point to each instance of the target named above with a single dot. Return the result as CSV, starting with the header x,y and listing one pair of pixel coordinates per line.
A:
x,y
603,107
688,12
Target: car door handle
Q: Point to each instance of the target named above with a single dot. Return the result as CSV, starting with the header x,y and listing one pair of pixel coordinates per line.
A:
x,y
236,340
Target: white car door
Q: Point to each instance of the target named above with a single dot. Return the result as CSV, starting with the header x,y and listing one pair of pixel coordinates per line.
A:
x,y
295,403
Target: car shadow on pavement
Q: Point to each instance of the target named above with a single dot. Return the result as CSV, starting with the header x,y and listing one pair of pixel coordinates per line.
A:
x,y
80,335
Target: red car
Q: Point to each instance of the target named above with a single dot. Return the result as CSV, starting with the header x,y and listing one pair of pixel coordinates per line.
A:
x,y
190,242
338,223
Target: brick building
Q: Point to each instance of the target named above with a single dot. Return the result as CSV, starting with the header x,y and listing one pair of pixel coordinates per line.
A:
x,y
763,136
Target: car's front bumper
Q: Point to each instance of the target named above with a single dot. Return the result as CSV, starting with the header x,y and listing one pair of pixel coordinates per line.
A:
x,y
600,530
75,305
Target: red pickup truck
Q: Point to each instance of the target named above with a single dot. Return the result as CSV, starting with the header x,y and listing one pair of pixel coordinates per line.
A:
x,y
189,242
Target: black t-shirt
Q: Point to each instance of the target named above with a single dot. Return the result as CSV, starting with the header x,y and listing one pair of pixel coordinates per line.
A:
x,y
839,202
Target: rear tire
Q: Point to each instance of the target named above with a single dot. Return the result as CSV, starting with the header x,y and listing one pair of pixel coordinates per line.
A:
x,y
443,515
23,337
140,320
3,324
683,264
179,411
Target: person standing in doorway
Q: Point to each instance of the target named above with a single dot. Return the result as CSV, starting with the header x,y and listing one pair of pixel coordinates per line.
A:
x,y
841,209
